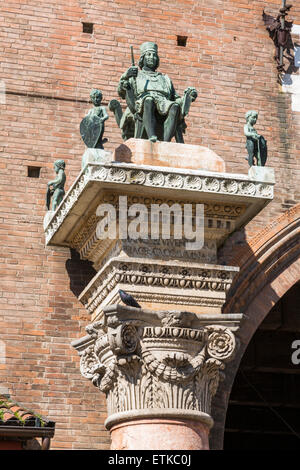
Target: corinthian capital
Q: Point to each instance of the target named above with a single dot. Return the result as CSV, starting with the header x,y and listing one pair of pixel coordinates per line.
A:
x,y
157,363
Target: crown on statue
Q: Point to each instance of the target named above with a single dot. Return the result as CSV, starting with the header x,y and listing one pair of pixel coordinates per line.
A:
x,y
148,46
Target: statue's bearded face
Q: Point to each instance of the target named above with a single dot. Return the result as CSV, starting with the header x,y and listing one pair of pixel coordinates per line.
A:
x,y
151,60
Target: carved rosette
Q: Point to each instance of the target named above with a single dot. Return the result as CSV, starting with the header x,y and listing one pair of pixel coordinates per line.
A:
x,y
149,361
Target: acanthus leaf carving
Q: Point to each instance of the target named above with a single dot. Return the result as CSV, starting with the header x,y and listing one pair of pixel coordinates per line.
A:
x,y
159,365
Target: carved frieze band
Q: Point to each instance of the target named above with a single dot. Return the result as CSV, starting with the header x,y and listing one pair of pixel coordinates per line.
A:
x,y
86,242
180,180
155,275
119,173
192,299
164,365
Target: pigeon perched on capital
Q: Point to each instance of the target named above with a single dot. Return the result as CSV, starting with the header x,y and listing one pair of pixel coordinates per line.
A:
x,y
127,299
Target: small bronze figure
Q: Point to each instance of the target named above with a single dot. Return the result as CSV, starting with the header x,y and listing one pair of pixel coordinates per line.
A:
x,y
154,110
56,187
92,125
256,145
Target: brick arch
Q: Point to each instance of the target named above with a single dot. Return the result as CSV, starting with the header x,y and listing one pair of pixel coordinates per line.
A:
x,y
263,259
269,267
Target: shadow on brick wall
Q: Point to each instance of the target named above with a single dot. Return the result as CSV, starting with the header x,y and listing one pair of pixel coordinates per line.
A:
x,y
80,272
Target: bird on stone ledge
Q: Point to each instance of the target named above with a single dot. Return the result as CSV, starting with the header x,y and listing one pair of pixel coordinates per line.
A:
x,y
127,299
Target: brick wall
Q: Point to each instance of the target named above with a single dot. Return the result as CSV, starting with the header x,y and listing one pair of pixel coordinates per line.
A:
x,y
48,67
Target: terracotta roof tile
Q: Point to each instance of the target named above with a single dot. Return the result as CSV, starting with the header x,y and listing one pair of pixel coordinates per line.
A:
x,y
12,414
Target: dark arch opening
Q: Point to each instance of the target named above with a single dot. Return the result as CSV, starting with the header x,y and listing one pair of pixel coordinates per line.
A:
x,y
264,405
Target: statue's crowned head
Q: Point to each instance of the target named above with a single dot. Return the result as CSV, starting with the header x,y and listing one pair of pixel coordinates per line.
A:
x,y
148,47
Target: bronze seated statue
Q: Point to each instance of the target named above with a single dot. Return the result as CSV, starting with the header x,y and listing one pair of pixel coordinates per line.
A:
x,y
154,110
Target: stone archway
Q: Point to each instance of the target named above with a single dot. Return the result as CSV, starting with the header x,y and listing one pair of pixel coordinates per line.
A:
x,y
270,266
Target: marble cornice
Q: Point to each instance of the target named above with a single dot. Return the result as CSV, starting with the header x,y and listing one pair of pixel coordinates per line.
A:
x,y
179,183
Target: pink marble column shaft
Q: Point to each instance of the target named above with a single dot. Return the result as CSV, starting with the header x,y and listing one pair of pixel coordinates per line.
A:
x,y
160,434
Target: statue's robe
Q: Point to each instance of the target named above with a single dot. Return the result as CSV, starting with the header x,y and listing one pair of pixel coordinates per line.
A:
x,y
154,84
